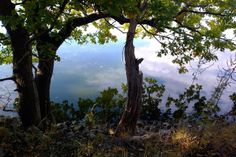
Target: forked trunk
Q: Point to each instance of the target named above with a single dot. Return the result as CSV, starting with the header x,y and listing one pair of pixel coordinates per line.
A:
x,y
129,118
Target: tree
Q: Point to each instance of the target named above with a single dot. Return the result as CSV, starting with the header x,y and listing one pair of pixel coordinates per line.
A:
x,y
22,65
134,79
70,15
48,24
185,29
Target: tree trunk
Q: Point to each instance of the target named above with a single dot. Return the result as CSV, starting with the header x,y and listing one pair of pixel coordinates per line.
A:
x,y
22,71
43,82
129,118
43,77
28,104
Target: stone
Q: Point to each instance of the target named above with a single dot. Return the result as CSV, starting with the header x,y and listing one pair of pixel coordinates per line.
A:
x,y
140,124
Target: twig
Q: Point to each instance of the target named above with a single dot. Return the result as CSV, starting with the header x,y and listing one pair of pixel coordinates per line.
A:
x,y
114,26
8,78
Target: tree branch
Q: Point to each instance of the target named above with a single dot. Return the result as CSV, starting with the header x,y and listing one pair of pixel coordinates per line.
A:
x,y
36,36
206,12
114,26
71,24
8,78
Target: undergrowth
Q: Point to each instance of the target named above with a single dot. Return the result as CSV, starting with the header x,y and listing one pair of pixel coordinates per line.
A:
x,y
87,129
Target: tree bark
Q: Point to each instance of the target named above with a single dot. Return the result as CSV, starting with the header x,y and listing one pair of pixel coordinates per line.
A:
x,y
43,82
129,118
44,74
28,104
47,54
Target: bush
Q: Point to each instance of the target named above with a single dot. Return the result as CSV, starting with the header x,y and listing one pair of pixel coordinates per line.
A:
x,y
106,108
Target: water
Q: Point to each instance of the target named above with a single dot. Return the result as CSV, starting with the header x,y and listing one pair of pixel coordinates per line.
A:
x,y
84,70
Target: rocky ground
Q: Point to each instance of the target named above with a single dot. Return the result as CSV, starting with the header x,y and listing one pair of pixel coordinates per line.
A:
x,y
76,138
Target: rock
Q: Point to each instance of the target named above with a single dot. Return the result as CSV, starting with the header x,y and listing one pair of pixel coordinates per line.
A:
x,y
154,128
81,128
76,128
68,123
230,119
141,132
34,129
60,125
70,134
166,126
9,122
74,122
140,124
92,136
147,128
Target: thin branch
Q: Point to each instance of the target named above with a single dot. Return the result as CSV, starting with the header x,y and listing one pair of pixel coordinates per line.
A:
x,y
224,80
154,35
7,79
206,13
62,7
188,27
36,36
114,26
199,69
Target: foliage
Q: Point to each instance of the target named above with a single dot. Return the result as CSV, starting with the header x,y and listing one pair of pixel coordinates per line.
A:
x,y
213,140
62,112
233,98
108,106
195,26
184,29
152,98
202,108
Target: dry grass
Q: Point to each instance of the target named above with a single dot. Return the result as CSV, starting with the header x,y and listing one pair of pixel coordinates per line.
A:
x,y
212,140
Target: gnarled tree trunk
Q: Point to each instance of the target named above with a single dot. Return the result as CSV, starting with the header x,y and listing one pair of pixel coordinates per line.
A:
x,y
129,118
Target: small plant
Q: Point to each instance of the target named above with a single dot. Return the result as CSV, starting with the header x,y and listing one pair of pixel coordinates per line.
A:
x,y
152,98
63,112
233,98
202,109
106,108
109,105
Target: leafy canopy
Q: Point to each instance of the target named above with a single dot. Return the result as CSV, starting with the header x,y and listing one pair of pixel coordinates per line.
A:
x,y
184,28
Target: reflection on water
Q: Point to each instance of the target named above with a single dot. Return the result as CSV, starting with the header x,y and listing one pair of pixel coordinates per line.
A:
x,y
84,70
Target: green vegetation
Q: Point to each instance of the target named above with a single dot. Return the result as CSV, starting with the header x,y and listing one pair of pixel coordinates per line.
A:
x,y
89,128
185,29
108,106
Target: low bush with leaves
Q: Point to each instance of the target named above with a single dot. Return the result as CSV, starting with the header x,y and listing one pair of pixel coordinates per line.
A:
x,y
108,106
152,98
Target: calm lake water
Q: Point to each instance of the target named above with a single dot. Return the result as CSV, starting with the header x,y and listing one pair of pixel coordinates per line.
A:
x,y
84,70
